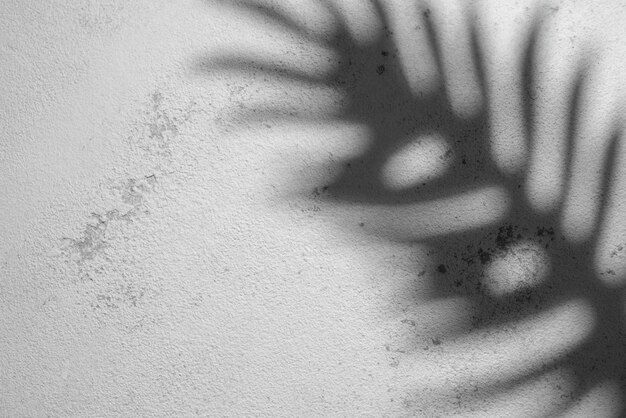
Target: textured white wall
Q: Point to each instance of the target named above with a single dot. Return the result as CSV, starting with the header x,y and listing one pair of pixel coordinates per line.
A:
x,y
164,255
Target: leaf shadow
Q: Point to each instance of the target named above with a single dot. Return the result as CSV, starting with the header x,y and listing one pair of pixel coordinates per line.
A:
x,y
378,95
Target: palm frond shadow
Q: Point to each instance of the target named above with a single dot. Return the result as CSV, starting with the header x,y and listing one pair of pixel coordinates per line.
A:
x,y
378,94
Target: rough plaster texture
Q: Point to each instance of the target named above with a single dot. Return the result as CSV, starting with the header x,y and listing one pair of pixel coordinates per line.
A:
x,y
165,254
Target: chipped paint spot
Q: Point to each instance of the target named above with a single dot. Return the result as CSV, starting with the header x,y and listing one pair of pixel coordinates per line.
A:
x,y
161,123
93,240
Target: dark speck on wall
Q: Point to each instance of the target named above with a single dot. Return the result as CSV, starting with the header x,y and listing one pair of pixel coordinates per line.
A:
x,y
441,268
541,231
380,69
446,155
484,256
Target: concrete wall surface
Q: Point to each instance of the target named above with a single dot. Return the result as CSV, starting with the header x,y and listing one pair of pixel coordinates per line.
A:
x,y
312,208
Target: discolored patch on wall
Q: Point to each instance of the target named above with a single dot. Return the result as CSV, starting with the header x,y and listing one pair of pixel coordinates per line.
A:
x,y
480,267
158,127
102,17
94,240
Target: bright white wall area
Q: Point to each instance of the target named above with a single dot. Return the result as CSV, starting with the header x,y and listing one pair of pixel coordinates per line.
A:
x,y
166,254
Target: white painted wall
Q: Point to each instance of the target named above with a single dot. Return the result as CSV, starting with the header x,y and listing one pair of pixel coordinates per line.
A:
x,y
163,256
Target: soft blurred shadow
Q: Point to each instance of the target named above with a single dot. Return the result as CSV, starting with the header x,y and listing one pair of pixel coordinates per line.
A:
x,y
429,171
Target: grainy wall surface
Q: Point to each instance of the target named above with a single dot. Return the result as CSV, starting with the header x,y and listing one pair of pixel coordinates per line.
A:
x,y
204,212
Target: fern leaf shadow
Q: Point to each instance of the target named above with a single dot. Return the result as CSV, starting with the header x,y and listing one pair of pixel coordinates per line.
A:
x,y
379,95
